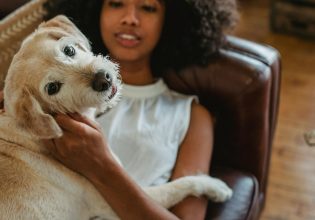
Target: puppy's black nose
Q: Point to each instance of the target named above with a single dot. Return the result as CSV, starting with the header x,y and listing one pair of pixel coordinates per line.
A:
x,y
101,82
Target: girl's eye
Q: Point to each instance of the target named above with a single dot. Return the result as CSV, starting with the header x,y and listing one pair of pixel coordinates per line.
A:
x,y
149,8
115,4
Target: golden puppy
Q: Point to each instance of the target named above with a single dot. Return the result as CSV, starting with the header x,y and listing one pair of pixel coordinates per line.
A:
x,y
55,72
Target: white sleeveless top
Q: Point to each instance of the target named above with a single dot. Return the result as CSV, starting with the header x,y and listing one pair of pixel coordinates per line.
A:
x,y
146,129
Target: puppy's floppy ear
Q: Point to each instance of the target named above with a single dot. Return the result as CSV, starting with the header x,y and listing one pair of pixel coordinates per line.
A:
x,y
31,117
65,28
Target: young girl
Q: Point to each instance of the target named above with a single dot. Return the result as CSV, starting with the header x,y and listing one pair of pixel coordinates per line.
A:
x,y
158,134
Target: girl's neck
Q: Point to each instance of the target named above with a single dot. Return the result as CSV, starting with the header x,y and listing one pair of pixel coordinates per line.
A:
x,y
134,74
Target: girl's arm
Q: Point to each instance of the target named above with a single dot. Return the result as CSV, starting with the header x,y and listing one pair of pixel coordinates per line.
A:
x,y
83,149
193,158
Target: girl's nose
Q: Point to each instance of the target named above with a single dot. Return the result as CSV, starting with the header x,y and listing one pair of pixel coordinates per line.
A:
x,y
130,17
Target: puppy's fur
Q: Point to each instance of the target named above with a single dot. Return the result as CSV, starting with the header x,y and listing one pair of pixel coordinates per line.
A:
x,y
55,71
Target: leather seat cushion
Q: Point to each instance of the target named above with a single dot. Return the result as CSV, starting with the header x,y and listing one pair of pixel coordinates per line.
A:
x,y
245,196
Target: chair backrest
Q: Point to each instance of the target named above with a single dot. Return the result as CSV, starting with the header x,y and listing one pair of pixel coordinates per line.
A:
x,y
14,28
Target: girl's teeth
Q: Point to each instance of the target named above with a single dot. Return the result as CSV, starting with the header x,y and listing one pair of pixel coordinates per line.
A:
x,y
128,37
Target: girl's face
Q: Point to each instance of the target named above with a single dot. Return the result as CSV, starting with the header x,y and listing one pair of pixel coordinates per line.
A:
x,y
131,28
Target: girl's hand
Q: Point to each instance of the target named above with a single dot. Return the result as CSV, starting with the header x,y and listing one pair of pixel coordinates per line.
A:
x,y
82,147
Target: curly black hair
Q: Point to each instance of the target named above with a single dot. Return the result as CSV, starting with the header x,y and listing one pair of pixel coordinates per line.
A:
x,y
193,31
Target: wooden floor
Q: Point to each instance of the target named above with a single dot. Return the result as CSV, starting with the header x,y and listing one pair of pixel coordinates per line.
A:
x,y
291,190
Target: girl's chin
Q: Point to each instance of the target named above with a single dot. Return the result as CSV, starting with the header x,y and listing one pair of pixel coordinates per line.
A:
x,y
129,57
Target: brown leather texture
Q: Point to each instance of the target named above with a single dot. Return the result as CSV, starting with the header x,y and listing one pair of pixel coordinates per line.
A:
x,y
240,87
243,204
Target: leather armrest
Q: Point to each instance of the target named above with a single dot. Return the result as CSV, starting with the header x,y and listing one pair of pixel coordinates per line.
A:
x,y
244,203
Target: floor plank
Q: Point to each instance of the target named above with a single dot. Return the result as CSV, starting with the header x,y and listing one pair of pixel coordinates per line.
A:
x,y
291,189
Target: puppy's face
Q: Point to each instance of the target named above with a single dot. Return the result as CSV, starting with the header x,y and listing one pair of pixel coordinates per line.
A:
x,y
55,71
74,79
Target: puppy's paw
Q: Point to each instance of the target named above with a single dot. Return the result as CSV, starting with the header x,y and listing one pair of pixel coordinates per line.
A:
x,y
217,190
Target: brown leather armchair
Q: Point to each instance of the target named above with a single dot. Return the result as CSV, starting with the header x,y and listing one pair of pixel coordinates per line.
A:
x,y
240,87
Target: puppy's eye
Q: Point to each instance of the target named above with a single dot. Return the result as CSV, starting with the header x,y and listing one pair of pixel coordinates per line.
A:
x,y
69,51
53,88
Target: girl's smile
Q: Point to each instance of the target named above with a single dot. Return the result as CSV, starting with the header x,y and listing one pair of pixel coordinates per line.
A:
x,y
128,39
131,28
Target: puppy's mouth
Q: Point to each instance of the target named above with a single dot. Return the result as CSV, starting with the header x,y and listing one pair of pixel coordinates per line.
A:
x,y
113,92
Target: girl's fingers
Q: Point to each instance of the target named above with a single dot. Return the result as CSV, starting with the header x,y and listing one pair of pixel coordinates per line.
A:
x,y
75,122
85,120
55,145
69,124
